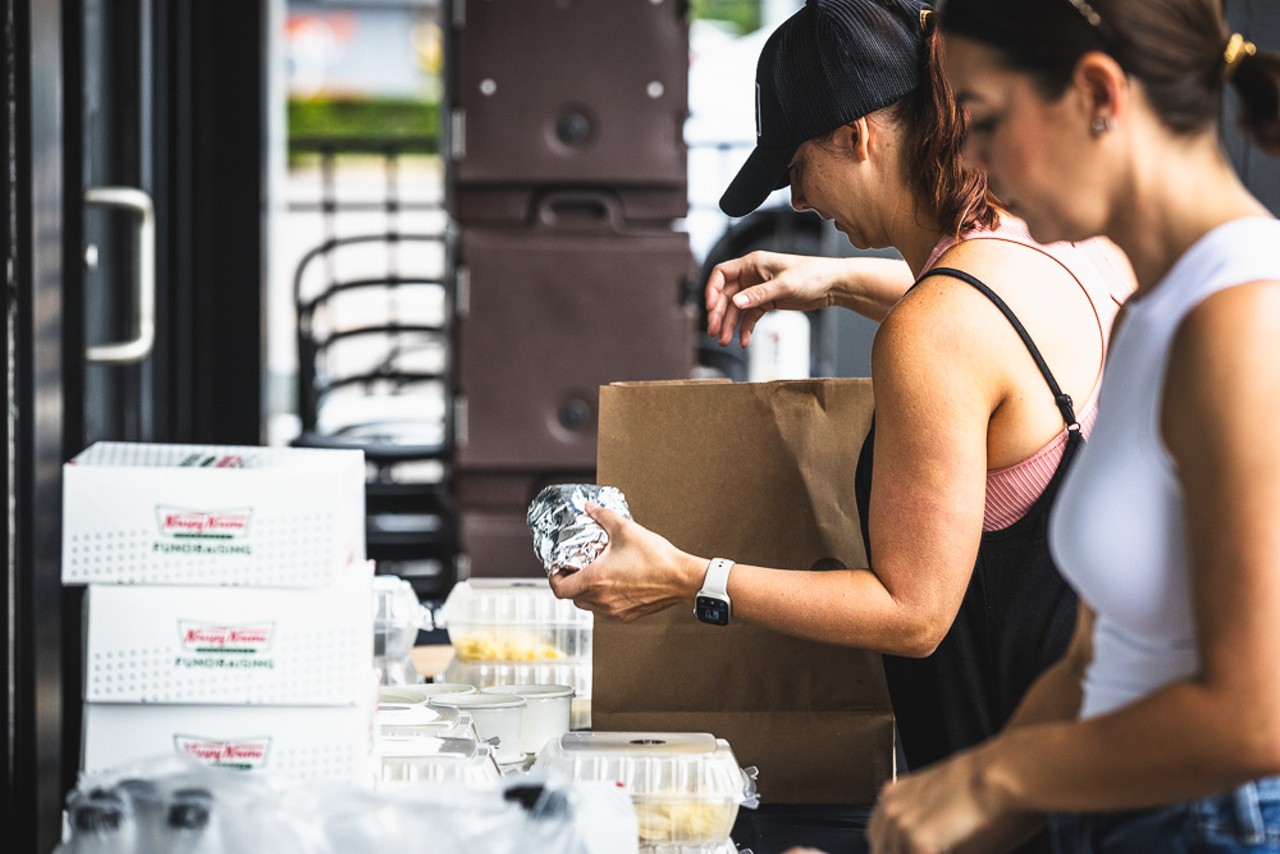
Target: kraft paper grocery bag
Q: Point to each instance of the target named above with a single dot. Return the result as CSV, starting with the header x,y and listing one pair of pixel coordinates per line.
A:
x,y
761,473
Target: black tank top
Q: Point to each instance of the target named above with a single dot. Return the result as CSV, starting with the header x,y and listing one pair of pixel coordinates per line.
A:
x,y
1016,619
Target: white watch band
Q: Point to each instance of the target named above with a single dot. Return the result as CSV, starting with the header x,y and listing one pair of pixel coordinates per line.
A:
x,y
716,581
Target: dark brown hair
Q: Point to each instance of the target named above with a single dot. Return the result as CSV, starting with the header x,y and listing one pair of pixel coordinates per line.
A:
x,y
1173,47
935,127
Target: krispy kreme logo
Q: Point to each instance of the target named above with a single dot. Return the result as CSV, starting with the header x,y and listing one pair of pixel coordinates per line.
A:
x,y
213,637
180,523
245,753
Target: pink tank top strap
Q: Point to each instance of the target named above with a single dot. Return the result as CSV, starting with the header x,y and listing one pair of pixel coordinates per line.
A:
x,y
1012,490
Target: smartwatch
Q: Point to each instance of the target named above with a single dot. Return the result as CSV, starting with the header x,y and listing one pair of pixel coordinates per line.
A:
x,y
712,603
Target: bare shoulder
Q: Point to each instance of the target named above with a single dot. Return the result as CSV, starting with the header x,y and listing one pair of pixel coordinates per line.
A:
x,y
1001,263
956,308
946,326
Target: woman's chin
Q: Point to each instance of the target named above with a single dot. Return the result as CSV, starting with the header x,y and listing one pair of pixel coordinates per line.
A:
x,y
1047,230
1041,230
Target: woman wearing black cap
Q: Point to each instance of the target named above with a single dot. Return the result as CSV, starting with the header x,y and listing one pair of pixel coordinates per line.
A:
x,y
1103,117
972,428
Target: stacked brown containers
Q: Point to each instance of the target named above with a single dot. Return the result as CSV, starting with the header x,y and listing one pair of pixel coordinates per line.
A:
x,y
565,174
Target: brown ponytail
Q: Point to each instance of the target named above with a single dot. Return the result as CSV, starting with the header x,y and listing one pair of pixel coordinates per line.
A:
x,y
935,126
1257,81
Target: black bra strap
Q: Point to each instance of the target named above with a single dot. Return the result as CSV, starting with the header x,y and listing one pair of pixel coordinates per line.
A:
x,y
1060,397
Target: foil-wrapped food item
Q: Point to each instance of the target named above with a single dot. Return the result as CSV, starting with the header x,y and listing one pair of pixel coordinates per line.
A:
x,y
565,538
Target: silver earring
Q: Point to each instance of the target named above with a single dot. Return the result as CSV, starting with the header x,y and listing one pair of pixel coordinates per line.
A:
x,y
1100,125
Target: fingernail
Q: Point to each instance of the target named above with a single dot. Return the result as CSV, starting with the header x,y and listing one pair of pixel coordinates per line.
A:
x,y
741,301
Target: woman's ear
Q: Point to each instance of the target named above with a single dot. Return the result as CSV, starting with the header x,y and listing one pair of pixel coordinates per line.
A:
x,y
1102,89
853,139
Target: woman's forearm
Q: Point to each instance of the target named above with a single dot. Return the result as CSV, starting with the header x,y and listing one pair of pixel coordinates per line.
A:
x,y
1182,742
844,607
871,286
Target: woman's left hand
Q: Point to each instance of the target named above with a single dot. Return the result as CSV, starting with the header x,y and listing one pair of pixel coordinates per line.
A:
x,y
933,810
638,573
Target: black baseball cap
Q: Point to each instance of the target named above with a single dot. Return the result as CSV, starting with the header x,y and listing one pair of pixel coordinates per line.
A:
x,y
830,63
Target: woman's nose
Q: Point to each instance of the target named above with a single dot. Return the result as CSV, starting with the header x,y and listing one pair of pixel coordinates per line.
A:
x,y
797,199
972,156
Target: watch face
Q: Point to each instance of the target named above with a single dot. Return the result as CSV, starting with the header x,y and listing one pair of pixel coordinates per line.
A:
x,y
711,610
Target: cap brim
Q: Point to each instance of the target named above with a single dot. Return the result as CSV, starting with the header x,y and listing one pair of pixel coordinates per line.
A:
x,y
765,171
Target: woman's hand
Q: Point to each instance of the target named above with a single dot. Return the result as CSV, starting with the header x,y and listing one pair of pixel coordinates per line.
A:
x,y
638,573
933,810
741,291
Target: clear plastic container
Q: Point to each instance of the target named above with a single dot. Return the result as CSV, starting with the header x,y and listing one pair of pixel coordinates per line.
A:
x,y
497,719
485,674
408,721
686,787
724,846
514,619
397,617
404,761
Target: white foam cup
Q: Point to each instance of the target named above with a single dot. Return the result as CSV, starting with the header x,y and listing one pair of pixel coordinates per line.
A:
x,y
495,717
546,715
411,695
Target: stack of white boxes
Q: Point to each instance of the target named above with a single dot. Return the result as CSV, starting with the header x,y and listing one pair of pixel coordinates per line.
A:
x,y
229,613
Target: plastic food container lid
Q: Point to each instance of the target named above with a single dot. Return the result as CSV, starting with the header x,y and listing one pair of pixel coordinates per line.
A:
x,y
510,602
408,695
478,701
530,692
724,846
695,765
395,715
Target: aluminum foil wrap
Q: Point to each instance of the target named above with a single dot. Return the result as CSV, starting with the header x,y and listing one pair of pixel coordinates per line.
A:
x,y
565,538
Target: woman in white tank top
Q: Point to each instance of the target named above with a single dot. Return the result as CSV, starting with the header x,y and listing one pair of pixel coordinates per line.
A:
x,y
1160,729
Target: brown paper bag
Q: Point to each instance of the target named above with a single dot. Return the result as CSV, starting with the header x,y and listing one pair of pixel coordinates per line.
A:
x,y
761,473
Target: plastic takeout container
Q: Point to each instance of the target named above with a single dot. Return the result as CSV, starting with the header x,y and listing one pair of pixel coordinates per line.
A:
x,y
576,674
397,617
419,720
514,619
686,787
434,760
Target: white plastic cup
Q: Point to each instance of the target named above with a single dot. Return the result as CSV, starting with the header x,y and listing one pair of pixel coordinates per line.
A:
x,y
546,715
412,695
780,347
495,717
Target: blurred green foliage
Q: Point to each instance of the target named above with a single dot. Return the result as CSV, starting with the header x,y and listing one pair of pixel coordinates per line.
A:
x,y
358,124
744,15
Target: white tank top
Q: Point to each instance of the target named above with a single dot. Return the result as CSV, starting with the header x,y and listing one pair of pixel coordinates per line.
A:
x,y
1117,531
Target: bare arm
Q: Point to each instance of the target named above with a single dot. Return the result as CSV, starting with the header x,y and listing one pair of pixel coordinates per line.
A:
x,y
741,291
932,411
1217,729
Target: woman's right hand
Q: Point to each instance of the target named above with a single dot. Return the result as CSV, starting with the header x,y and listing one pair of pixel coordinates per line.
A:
x,y
741,291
